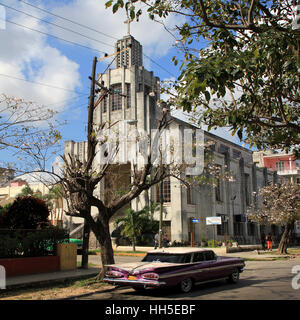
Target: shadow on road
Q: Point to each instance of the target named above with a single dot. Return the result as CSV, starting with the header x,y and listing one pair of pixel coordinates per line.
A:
x,y
203,289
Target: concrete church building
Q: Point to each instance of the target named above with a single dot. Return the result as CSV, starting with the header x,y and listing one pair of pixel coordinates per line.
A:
x,y
139,108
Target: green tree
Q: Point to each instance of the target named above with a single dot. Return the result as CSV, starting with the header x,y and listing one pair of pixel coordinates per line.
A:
x,y
247,77
25,213
280,205
135,224
27,191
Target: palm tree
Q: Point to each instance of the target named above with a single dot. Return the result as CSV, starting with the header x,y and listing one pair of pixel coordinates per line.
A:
x,y
26,191
132,224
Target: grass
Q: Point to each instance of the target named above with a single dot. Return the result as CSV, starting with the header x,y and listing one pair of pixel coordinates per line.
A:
x,y
289,251
266,259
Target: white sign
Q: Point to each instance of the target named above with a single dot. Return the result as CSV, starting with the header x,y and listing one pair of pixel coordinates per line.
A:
x,y
213,220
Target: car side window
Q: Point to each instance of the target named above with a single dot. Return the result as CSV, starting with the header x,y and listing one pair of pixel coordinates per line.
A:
x,y
198,257
209,255
187,258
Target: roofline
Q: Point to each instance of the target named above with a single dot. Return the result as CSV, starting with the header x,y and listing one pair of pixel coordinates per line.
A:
x,y
211,134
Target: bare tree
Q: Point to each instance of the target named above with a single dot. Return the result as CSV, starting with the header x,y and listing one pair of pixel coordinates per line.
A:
x,y
29,130
280,205
81,179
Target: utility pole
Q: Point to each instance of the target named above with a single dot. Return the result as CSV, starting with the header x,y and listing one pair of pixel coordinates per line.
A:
x,y
86,228
161,200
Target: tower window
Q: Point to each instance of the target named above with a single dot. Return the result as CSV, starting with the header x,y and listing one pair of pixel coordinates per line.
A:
x,y
128,96
116,97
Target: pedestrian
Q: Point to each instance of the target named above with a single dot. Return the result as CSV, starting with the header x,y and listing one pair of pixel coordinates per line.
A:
x,y
165,241
263,241
269,241
156,241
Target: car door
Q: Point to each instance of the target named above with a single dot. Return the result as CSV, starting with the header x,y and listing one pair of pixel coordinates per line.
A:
x,y
200,266
214,270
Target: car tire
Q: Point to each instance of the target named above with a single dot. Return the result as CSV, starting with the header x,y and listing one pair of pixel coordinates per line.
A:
x,y
234,277
186,285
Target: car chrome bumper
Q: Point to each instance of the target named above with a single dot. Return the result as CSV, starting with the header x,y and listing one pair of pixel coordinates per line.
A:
x,y
134,282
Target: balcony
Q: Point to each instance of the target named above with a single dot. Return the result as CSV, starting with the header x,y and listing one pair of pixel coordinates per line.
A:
x,y
289,172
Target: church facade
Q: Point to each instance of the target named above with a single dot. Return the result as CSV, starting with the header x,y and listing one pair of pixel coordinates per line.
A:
x,y
133,98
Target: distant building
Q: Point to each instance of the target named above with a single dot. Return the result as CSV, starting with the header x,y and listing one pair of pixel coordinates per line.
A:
x,y
285,164
11,190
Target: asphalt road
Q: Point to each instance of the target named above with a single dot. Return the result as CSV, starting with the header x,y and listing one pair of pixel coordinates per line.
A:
x,y
261,280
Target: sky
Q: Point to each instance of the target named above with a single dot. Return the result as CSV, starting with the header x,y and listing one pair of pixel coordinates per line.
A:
x,y
44,63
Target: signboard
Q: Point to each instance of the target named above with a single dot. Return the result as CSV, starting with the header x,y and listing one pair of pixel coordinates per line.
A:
x,y
195,220
213,220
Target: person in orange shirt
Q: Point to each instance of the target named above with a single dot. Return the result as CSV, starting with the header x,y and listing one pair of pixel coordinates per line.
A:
x,y
269,242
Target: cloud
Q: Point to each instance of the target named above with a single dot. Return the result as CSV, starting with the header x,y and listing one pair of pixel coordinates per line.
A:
x,y
155,39
27,55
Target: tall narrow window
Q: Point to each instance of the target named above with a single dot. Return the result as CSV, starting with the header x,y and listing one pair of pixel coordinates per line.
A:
x,y
189,195
166,190
116,97
247,189
105,102
128,96
217,182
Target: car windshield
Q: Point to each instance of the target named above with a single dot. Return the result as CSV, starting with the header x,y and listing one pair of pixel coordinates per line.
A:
x,y
163,257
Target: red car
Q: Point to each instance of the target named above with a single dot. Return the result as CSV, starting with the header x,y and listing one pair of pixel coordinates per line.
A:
x,y
183,267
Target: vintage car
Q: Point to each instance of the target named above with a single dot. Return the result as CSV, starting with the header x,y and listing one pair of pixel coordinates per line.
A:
x,y
183,267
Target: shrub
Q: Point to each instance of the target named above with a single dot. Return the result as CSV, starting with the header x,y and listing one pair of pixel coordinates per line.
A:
x,y
213,243
25,213
30,243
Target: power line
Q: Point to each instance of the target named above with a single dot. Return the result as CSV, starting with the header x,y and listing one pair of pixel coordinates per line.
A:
x,y
159,65
54,24
64,18
72,98
39,83
84,26
51,35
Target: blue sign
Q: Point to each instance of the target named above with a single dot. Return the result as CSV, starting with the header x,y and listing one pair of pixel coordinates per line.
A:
x,y
195,220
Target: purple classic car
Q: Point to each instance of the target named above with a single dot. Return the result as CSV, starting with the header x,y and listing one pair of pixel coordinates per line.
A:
x,y
183,267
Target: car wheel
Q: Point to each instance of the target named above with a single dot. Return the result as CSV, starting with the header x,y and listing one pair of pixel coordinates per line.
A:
x,y
234,277
186,285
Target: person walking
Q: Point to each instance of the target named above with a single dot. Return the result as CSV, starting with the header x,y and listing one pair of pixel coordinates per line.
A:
x,y
269,241
156,241
165,241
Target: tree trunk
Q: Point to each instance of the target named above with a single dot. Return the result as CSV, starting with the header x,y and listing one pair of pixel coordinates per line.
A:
x,y
133,244
102,234
286,237
85,245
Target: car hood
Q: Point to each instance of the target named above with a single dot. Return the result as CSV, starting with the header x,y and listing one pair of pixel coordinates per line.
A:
x,y
140,266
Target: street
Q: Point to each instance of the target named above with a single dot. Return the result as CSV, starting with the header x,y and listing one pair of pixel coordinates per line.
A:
x,y
261,280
